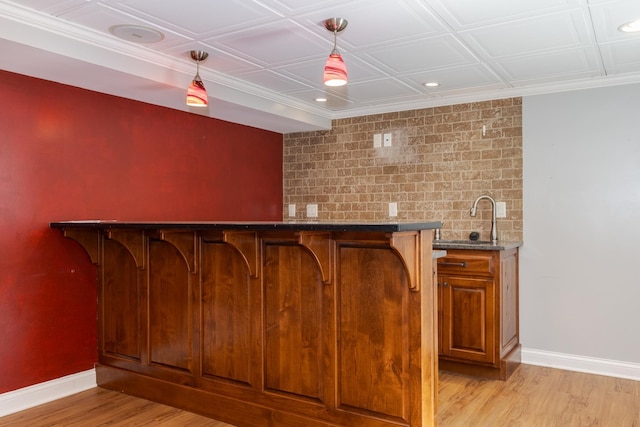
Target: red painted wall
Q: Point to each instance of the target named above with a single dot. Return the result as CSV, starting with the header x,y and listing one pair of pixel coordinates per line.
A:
x,y
68,153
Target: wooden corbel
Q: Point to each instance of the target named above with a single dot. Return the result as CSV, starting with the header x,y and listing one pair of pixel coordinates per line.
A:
x,y
88,239
322,248
407,245
246,242
133,241
185,242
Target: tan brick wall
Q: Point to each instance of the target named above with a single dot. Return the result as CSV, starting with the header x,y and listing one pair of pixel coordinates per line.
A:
x,y
439,162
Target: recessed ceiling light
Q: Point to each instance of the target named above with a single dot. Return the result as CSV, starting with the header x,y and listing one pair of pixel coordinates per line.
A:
x,y
432,84
321,99
136,33
630,27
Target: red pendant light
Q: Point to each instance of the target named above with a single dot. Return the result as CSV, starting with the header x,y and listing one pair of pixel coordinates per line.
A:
x,y
197,94
335,70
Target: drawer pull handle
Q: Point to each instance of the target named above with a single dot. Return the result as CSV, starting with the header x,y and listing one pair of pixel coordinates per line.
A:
x,y
462,264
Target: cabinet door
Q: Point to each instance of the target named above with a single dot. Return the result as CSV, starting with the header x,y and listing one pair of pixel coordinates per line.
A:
x,y
468,318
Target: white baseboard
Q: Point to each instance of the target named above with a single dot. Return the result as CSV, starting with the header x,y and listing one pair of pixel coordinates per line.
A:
x,y
28,397
590,365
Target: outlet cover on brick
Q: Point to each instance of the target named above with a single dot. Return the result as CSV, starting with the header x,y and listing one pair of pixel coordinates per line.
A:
x,y
393,209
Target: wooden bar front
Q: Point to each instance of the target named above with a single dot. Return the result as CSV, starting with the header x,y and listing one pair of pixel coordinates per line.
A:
x,y
268,326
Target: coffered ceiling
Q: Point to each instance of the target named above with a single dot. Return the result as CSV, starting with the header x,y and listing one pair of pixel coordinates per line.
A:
x,y
266,56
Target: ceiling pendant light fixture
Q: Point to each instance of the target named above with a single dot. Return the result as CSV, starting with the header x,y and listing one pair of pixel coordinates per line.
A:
x,y
335,71
197,94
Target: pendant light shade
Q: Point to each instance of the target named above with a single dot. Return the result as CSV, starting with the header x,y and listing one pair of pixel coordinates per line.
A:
x,y
197,94
335,70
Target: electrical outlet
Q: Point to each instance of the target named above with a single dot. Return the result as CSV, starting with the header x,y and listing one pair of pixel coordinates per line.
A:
x,y
393,209
292,210
387,140
377,140
312,211
501,210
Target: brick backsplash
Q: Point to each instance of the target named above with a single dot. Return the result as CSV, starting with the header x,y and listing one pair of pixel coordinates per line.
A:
x,y
439,162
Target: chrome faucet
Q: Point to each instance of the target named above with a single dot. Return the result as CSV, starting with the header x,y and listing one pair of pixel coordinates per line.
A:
x,y
494,225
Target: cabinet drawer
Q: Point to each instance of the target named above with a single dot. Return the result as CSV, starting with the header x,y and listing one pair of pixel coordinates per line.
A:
x,y
467,264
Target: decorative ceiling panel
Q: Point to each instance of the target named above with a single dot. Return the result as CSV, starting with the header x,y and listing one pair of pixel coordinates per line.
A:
x,y
266,56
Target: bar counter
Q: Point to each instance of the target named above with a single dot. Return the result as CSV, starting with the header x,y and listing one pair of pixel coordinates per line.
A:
x,y
269,323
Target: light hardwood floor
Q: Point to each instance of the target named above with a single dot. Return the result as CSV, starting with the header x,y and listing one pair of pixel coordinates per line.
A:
x,y
539,397
533,396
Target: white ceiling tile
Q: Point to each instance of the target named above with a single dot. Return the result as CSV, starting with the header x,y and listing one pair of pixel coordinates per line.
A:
x,y
310,72
302,6
456,78
376,22
334,100
221,61
200,16
267,78
425,54
621,57
543,33
577,63
100,18
462,14
447,92
57,8
373,91
607,17
274,44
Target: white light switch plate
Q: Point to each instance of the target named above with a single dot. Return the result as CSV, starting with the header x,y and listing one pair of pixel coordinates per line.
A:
x,y
393,209
377,140
292,210
501,210
312,211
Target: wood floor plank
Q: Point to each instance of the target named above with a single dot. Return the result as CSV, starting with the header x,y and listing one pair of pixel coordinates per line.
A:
x,y
532,397
538,396
101,407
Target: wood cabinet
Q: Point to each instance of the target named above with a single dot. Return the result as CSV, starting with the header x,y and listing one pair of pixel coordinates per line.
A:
x,y
478,326
269,324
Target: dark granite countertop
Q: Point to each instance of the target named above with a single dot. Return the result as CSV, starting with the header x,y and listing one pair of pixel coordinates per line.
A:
x,y
387,227
480,245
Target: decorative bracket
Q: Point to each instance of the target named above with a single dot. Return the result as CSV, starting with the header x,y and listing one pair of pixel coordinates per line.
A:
x,y
246,242
185,242
133,241
88,239
407,246
322,248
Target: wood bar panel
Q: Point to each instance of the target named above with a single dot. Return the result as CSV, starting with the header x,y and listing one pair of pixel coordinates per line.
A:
x,y
267,326
226,314
121,299
373,329
170,308
293,322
